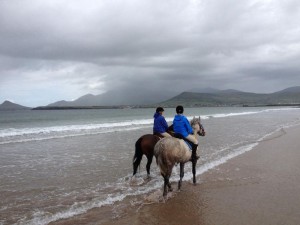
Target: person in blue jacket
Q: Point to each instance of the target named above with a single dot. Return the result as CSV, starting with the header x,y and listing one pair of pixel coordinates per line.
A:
x,y
160,125
182,126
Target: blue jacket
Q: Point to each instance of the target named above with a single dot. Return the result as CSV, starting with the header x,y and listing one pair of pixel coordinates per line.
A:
x,y
160,124
182,126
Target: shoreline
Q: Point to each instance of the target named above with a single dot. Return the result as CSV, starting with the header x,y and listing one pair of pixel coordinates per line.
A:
x,y
260,186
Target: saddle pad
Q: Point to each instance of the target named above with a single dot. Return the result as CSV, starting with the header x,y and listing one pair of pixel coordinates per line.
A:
x,y
188,144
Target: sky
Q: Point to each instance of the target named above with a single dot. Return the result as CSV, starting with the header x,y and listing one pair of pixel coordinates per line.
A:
x,y
55,50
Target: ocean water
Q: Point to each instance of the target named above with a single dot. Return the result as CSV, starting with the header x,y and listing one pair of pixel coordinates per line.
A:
x,y
64,163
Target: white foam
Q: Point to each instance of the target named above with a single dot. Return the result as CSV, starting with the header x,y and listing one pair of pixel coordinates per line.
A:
x,y
17,135
41,217
39,134
224,159
9,132
210,165
234,114
67,128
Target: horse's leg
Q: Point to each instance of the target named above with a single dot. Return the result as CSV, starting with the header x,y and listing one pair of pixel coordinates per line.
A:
x,y
149,164
181,175
166,183
170,168
194,162
169,186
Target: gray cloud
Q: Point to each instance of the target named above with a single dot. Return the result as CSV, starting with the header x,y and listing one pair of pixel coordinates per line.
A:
x,y
68,49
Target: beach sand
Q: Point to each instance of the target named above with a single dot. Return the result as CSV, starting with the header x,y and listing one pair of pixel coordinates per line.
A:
x,y
261,186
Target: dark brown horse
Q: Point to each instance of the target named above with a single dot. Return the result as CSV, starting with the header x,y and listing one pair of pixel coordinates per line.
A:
x,y
144,146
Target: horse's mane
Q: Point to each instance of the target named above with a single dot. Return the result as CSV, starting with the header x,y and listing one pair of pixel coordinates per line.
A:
x,y
195,121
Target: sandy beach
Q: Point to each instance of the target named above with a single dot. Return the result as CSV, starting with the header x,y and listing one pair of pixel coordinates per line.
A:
x,y
261,186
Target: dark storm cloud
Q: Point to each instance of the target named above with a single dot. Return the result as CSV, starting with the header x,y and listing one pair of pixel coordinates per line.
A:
x,y
96,46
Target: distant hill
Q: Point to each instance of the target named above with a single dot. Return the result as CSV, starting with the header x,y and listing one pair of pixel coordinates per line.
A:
x,y
204,90
7,105
118,97
295,89
289,96
195,98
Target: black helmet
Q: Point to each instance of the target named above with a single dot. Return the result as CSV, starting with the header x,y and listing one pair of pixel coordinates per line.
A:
x,y
179,109
159,109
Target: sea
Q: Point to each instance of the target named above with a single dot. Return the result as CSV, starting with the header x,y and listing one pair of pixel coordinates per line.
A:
x,y
58,165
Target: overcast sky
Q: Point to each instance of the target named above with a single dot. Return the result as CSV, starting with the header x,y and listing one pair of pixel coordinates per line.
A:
x,y
53,50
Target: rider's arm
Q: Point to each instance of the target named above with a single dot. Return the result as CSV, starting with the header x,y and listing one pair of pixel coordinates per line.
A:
x,y
165,124
188,126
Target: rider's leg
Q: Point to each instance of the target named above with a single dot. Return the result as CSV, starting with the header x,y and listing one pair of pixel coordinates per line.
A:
x,y
192,139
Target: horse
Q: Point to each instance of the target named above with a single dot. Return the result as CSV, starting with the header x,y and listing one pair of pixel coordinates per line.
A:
x,y
144,146
170,151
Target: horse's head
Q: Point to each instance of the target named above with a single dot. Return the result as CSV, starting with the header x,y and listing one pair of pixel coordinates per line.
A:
x,y
197,126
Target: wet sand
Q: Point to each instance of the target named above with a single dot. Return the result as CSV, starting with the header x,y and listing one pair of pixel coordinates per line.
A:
x,y
261,186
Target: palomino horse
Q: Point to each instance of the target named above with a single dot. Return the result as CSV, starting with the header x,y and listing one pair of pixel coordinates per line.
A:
x,y
170,151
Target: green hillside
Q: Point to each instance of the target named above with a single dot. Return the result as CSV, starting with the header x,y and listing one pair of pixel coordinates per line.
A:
x,y
233,98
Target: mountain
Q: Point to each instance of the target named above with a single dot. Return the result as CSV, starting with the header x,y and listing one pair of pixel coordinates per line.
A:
x,y
229,91
204,90
295,89
212,97
7,105
289,96
86,100
117,97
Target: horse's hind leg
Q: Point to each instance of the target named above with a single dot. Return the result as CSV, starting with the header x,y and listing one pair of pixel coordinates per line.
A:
x,y
149,164
166,185
169,186
181,175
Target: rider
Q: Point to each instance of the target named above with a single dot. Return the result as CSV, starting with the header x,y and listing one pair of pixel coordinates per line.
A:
x,y
160,126
182,127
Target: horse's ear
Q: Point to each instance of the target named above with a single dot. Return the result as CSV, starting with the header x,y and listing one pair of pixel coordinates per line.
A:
x,y
199,118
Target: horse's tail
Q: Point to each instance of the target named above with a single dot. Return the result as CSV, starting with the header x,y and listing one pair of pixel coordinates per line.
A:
x,y
137,155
